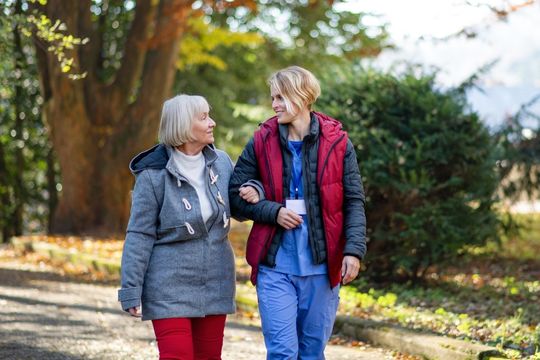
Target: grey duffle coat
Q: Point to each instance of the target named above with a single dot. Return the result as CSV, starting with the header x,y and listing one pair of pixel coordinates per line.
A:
x,y
174,264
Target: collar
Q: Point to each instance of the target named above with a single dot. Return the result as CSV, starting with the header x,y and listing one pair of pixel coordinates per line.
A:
x,y
309,138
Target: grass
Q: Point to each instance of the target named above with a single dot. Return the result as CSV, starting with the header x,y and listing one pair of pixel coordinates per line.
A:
x,y
523,244
491,296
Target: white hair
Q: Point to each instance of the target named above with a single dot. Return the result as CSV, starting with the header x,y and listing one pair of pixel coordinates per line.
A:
x,y
177,118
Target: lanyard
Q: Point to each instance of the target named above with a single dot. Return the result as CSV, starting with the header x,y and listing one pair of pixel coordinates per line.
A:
x,y
296,182
296,192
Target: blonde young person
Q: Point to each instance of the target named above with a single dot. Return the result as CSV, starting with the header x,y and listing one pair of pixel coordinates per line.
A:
x,y
308,235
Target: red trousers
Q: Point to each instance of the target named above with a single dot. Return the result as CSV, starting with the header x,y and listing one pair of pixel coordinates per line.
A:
x,y
190,338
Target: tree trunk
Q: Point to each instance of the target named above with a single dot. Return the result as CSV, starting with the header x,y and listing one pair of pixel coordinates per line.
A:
x,y
7,227
18,183
95,127
51,189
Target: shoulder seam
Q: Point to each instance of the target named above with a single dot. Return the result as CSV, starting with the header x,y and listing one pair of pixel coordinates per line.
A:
x,y
151,184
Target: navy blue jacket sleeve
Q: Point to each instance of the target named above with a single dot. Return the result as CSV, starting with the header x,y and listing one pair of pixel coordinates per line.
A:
x,y
265,211
353,207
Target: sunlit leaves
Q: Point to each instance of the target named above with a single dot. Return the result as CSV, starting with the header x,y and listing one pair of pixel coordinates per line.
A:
x,y
481,307
197,46
59,43
52,35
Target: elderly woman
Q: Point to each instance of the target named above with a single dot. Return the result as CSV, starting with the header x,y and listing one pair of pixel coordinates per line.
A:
x,y
177,261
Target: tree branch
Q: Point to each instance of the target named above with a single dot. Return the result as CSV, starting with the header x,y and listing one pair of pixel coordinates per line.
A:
x,y
502,12
157,78
88,52
68,14
135,48
117,94
43,70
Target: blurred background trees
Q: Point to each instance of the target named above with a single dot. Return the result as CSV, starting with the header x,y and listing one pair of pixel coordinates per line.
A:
x,y
28,172
82,85
519,162
427,163
105,67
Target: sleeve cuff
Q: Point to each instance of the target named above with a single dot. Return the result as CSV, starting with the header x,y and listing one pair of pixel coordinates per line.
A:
x,y
277,213
133,293
130,297
257,185
359,257
126,305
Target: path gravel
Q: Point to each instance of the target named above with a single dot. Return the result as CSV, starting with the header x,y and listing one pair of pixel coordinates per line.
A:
x,y
45,316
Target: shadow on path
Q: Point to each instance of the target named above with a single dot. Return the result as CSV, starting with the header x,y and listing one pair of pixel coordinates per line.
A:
x,y
18,350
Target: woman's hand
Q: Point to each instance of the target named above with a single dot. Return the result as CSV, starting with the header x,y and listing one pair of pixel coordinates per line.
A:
x,y
249,194
134,311
288,218
349,269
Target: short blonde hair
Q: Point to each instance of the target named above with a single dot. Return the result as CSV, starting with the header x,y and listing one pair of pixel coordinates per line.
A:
x,y
297,86
177,118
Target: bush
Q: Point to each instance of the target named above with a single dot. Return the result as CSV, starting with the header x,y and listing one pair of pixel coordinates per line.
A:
x,y
427,163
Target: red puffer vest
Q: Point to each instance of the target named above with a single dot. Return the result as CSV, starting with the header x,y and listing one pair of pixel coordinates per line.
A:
x,y
331,153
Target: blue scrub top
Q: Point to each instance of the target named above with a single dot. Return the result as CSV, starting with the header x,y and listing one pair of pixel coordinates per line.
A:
x,y
294,254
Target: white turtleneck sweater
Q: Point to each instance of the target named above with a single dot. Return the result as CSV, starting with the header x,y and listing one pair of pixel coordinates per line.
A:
x,y
192,168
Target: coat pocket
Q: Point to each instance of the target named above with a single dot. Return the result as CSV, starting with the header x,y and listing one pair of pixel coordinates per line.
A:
x,y
182,232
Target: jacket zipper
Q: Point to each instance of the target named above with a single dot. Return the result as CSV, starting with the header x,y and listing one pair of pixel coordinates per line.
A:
x,y
268,241
306,172
328,155
324,166
272,188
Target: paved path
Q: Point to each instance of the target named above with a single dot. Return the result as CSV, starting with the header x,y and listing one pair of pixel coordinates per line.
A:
x,y
43,316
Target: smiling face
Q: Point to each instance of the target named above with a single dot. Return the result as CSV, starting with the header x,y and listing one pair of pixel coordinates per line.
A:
x,y
202,129
280,108
294,90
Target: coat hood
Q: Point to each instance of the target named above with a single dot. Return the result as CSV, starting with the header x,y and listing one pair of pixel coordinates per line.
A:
x,y
154,158
157,157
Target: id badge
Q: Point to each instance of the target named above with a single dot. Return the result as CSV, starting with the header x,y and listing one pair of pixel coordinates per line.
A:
x,y
296,205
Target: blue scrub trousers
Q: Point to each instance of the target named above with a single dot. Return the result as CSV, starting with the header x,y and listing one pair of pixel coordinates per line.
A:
x,y
297,314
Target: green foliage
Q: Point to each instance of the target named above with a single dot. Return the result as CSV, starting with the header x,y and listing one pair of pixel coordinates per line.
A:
x,y
23,136
232,73
54,34
198,44
479,307
26,16
519,162
230,83
113,19
428,167
309,33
